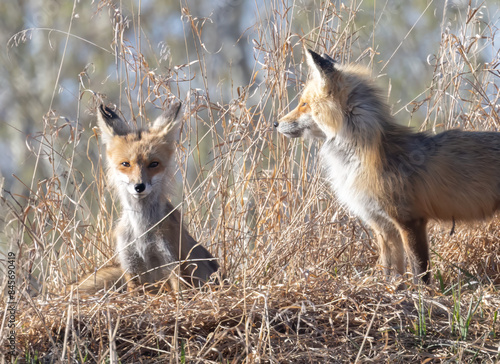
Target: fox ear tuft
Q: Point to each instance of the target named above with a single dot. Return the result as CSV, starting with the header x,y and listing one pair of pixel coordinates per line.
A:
x,y
328,58
110,124
172,115
320,66
169,121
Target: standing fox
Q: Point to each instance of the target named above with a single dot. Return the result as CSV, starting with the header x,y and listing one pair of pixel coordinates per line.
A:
x,y
150,238
395,180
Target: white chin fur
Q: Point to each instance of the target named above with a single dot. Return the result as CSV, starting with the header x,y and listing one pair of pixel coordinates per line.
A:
x,y
139,196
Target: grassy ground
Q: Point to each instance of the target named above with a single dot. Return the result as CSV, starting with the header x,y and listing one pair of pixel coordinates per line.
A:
x,y
302,280
320,319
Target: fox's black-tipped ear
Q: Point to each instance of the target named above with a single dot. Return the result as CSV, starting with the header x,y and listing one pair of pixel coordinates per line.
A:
x,y
328,58
320,66
110,123
168,123
324,64
172,115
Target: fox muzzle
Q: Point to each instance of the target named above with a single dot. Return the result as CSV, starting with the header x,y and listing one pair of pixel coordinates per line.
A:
x,y
140,187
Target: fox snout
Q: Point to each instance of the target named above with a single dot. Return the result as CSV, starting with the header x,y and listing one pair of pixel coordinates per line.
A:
x,y
289,126
290,129
139,190
135,179
296,125
300,122
139,187
137,184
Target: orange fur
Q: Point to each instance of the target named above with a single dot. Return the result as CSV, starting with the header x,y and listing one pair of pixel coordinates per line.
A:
x,y
151,242
395,180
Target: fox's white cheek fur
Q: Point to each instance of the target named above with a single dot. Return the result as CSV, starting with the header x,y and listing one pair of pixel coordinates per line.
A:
x,y
321,129
121,177
157,178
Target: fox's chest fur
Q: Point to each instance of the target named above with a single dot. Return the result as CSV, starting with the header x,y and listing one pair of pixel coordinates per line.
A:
x,y
142,241
344,170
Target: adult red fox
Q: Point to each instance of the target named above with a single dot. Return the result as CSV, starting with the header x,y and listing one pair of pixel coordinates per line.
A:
x,y
393,179
150,239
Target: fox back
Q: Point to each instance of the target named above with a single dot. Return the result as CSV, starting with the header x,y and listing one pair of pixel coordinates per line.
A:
x,y
151,241
395,180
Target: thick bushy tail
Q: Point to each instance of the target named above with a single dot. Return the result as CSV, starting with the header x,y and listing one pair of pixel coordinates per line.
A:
x,y
104,278
198,264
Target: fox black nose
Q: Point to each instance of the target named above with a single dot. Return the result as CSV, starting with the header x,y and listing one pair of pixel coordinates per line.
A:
x,y
276,124
140,187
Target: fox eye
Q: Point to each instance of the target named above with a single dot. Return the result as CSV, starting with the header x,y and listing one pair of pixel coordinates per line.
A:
x,y
304,104
126,164
154,164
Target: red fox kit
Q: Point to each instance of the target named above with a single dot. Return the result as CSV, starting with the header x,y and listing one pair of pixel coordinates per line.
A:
x,y
393,179
150,238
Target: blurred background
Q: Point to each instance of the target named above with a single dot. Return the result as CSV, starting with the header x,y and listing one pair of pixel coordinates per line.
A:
x,y
55,52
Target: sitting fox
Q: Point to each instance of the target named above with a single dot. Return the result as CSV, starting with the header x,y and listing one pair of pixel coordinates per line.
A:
x,y
150,239
393,179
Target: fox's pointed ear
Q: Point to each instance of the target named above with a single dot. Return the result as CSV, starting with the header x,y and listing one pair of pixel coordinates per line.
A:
x,y
320,66
110,124
169,121
172,115
328,58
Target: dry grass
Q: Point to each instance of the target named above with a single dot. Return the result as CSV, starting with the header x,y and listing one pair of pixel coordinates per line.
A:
x,y
303,285
321,319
